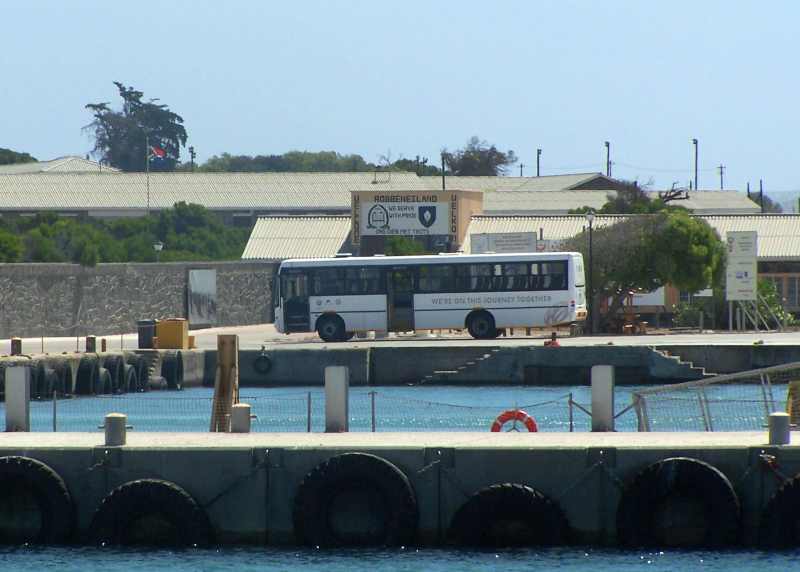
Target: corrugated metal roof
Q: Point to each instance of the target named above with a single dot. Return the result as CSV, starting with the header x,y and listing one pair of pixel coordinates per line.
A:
x,y
546,183
716,202
70,163
778,235
541,202
286,191
278,238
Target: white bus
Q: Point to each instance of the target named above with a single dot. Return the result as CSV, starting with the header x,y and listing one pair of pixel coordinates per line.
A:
x,y
483,293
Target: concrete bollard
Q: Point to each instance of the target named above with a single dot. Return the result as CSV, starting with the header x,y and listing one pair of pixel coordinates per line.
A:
x,y
779,431
240,418
16,346
91,344
337,389
103,345
603,398
18,397
116,429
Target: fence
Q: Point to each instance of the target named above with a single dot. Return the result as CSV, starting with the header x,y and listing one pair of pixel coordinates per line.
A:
x,y
735,402
300,412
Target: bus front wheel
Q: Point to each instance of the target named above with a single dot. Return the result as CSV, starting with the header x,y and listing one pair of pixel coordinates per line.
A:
x,y
331,329
481,326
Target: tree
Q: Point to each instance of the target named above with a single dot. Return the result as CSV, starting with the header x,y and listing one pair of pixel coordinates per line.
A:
x,y
767,204
121,136
293,161
10,247
642,253
403,246
478,158
9,157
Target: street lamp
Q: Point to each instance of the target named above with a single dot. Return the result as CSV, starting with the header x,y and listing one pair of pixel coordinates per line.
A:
x,y
590,289
158,246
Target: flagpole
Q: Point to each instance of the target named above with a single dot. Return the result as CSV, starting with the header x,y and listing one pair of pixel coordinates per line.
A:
x,y
147,167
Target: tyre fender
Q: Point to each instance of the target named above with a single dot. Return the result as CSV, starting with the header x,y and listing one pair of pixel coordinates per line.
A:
x,y
373,495
126,515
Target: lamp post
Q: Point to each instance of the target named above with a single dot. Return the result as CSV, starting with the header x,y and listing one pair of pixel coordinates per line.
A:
x,y
158,246
590,289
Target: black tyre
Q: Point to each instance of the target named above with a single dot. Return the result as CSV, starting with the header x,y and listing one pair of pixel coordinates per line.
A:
x,y
130,379
679,502
104,384
115,366
481,326
139,363
355,499
172,370
509,515
35,505
331,328
150,512
87,377
262,364
780,520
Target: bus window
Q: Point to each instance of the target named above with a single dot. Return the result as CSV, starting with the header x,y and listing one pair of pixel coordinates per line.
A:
x,y
328,282
437,278
516,275
364,280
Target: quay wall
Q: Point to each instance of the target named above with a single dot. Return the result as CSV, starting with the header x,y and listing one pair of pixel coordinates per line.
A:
x,y
73,300
247,483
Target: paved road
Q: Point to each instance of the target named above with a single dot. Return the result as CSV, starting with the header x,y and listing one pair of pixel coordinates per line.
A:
x,y
253,337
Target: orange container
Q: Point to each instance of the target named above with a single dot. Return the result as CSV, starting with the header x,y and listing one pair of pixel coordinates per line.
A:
x,y
173,333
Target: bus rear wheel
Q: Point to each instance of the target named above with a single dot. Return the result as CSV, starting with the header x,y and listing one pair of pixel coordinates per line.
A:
x,y
481,326
331,329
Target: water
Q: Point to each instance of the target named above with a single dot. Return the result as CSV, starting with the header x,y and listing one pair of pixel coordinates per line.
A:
x,y
418,408
411,560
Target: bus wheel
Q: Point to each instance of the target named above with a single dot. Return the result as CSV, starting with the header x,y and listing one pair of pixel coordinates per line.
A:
x,y
331,329
481,326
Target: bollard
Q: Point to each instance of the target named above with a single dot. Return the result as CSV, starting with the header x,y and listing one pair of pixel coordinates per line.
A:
x,y
779,432
103,345
18,397
603,398
240,418
337,387
116,428
91,344
16,346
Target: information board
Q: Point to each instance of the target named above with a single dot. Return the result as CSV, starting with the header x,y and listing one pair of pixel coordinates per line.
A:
x,y
741,272
503,242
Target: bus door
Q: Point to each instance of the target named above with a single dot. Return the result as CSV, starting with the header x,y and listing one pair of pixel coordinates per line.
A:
x,y
294,292
400,298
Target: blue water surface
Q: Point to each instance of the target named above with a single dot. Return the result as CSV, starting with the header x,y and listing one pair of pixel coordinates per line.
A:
x,y
400,560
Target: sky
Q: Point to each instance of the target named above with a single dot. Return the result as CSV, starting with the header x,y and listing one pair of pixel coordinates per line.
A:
x,y
401,79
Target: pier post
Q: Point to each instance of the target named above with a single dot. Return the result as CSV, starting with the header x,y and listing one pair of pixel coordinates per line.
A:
x,y
337,389
91,344
116,425
603,398
16,346
240,418
779,433
18,397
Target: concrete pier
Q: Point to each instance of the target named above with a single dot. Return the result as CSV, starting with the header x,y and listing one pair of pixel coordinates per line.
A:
x,y
247,482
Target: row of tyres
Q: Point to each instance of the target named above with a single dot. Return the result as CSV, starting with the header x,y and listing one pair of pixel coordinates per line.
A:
x,y
360,499
96,373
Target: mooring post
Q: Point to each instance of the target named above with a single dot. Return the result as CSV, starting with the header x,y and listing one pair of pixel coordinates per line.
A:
x,y
337,388
779,432
116,425
603,398
16,346
240,418
91,344
18,397
226,382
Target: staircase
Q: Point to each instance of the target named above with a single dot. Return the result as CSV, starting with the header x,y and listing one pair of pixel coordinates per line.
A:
x,y
673,367
460,372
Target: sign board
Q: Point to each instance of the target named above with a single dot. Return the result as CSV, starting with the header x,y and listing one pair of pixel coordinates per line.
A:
x,y
504,242
404,214
655,298
741,272
202,298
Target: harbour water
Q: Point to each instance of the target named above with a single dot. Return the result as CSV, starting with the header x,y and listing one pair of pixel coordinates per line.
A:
x,y
569,559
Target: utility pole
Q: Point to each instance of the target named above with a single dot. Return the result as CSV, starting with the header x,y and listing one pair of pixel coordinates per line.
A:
x,y
748,189
761,194
192,155
696,187
147,167
608,159
538,155
520,169
443,172
721,174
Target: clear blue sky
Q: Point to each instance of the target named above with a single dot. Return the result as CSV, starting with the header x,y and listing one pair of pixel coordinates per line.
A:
x,y
413,77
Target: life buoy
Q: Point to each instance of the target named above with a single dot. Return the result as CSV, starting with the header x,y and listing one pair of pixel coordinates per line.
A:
x,y
509,514
150,512
514,415
679,502
35,505
355,499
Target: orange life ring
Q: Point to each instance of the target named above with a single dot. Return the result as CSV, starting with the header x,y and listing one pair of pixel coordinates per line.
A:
x,y
515,415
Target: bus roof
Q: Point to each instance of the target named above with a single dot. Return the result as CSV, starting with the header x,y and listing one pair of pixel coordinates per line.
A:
x,y
426,259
